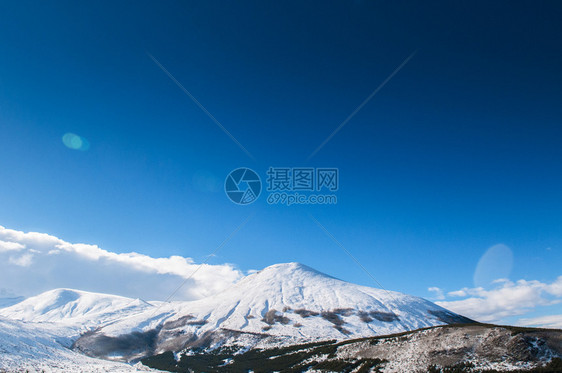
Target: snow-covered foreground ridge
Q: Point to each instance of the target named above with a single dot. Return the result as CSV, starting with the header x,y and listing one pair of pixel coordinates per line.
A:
x,y
30,347
74,308
282,304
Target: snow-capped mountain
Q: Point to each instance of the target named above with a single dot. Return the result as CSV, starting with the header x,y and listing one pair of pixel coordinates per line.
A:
x,y
36,334
74,310
283,304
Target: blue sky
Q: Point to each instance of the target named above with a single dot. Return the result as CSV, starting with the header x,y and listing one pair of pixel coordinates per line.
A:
x,y
458,152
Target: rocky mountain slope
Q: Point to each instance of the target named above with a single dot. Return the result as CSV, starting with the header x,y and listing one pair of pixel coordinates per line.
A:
x,y
287,317
449,349
281,305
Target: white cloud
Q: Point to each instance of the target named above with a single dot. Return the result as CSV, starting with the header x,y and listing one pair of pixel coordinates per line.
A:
x,y
552,321
437,291
457,293
507,299
10,246
38,262
24,260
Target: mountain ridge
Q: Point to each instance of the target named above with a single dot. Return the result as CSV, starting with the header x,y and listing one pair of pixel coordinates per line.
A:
x,y
280,305
71,307
287,315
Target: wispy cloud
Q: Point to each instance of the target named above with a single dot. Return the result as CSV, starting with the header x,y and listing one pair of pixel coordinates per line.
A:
x,y
552,321
24,260
35,262
437,291
10,246
457,293
504,299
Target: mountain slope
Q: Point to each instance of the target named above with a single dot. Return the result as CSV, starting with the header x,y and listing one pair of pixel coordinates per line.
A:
x,y
37,333
74,309
456,348
280,305
26,347
287,316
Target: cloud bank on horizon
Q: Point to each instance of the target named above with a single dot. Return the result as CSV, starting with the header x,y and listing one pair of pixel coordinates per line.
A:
x,y
504,300
495,299
36,262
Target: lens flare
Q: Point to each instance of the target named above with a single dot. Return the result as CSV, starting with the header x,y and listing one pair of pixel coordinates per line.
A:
x,y
75,142
495,264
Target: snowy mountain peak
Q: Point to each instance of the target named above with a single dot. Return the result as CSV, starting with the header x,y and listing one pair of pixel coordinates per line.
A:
x,y
291,266
290,302
279,305
296,286
291,269
73,307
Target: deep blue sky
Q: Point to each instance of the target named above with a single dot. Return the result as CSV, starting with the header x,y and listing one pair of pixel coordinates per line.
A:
x,y
460,151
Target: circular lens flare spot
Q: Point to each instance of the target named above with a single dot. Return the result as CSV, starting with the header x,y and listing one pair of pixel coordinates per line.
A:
x,y
495,264
75,142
